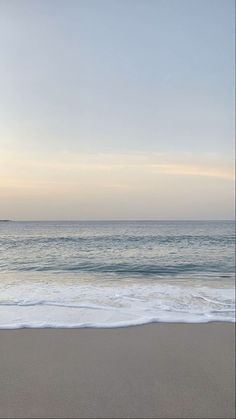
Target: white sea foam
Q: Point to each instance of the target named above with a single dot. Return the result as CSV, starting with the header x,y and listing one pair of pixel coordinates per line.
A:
x,y
42,300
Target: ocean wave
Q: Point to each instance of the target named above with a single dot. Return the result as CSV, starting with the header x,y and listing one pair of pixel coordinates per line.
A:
x,y
127,268
112,306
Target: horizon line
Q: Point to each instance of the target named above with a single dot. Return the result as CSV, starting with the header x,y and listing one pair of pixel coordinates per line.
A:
x,y
116,220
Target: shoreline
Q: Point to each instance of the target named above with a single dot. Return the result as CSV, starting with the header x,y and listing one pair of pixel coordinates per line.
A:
x,y
158,370
124,326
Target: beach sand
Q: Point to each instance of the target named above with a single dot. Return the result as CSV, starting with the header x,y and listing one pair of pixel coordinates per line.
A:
x,y
158,370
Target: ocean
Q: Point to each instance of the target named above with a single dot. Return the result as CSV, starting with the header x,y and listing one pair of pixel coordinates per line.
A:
x,y
115,273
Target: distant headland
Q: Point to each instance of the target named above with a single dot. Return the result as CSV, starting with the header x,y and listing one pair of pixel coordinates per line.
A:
x,y
5,221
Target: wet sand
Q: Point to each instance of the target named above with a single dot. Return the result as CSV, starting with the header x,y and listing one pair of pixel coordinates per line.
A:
x,y
158,371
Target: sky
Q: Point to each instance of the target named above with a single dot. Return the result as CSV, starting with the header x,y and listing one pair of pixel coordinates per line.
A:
x,y
116,109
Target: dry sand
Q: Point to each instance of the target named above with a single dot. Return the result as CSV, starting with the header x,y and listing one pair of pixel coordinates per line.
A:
x,y
159,370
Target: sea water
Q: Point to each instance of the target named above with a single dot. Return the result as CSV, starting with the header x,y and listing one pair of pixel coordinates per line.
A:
x,y
115,273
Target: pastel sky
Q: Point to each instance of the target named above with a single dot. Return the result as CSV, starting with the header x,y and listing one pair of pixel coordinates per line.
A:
x,y
116,109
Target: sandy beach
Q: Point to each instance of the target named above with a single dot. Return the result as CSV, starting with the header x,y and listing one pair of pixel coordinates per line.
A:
x,y
158,370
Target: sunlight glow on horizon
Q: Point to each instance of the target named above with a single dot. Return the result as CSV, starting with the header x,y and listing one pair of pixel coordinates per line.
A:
x,y
105,186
